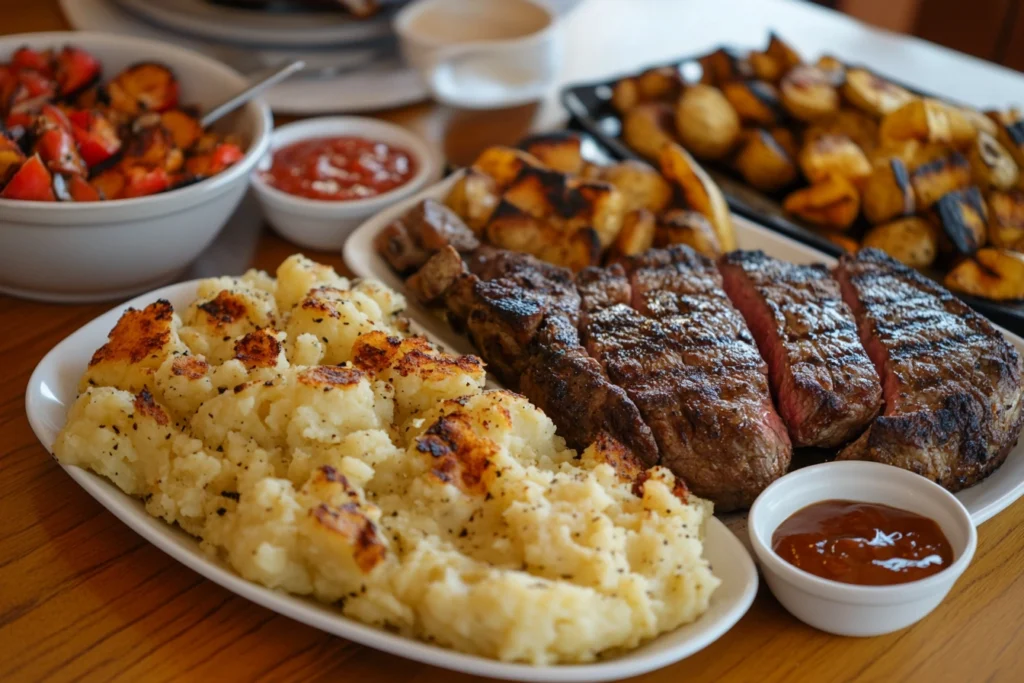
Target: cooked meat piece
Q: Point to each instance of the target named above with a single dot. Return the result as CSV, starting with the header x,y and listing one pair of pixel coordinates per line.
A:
x,y
685,357
602,287
553,283
951,382
440,272
408,242
825,387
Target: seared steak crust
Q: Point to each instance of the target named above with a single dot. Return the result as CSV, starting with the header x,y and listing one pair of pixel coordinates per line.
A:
x,y
825,387
951,382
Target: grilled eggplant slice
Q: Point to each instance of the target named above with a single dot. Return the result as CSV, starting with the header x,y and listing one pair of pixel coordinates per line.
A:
x,y
636,236
646,128
872,94
964,218
722,66
680,226
473,197
888,193
928,120
832,203
996,274
1006,219
936,178
641,185
756,102
504,164
909,240
991,165
808,94
764,164
706,123
699,191
561,150
834,155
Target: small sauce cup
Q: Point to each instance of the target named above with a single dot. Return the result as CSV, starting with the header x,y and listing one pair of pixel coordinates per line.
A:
x,y
848,609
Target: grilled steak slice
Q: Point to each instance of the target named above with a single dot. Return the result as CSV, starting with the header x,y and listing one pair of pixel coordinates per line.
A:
x,y
951,382
409,241
825,387
687,360
440,272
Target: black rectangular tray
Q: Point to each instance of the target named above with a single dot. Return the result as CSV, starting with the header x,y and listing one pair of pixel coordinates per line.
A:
x,y
590,108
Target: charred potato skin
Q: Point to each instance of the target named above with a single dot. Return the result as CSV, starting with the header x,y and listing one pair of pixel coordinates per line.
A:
x,y
908,240
872,94
833,203
834,155
764,164
856,125
888,193
928,120
808,95
963,216
991,164
699,191
474,197
561,150
647,128
1006,219
641,185
706,123
934,179
680,226
723,66
756,102
512,228
636,236
995,274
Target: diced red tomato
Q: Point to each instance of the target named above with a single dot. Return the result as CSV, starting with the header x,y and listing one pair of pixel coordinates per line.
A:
x,y
50,116
141,181
35,84
96,136
81,190
8,81
57,148
76,70
18,119
27,58
31,182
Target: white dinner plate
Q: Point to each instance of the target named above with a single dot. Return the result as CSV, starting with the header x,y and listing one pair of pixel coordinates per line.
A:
x,y
983,500
53,388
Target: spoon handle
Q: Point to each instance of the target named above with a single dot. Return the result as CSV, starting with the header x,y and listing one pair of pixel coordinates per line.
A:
x,y
252,91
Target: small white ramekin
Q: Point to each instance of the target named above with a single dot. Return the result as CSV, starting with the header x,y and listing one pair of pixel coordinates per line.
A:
x,y
847,609
325,224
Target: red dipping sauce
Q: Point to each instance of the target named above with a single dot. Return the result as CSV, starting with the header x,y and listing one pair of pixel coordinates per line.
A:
x,y
339,168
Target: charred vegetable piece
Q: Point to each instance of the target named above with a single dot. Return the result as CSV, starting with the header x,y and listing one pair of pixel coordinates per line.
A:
x,y
764,164
1006,219
30,182
963,217
109,184
834,155
1010,133
143,87
756,102
928,121
37,60
76,70
57,148
888,193
707,124
140,181
11,158
808,94
184,127
96,136
936,178
679,226
993,274
153,146
647,128
991,164
872,94
504,164
700,192
223,155
81,191
832,203
908,240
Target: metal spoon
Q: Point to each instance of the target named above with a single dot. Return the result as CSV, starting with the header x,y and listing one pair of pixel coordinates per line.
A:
x,y
257,85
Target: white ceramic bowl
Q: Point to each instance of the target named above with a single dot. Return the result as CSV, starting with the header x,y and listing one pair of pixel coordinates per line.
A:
x,y
325,224
90,251
847,609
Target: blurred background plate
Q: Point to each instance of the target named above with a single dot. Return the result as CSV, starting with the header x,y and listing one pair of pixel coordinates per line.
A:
x,y
261,27
384,83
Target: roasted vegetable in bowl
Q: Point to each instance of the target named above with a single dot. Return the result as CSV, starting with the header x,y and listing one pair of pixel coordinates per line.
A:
x,y
67,137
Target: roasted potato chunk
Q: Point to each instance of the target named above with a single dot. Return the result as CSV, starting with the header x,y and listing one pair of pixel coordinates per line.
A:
x,y
764,164
936,178
856,125
908,240
766,67
636,236
1010,133
662,83
787,140
991,165
782,52
700,192
888,193
995,274
832,203
873,94
512,228
834,155
647,128
1006,219
833,69
473,197
706,123
641,185
560,151
808,94
756,102
928,121
679,226
722,66
504,164
625,95
844,242
963,217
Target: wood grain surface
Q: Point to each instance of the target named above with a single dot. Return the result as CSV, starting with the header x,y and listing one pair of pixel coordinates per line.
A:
x,y
84,598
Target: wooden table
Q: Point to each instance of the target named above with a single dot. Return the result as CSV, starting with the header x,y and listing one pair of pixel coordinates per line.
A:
x,y
82,597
